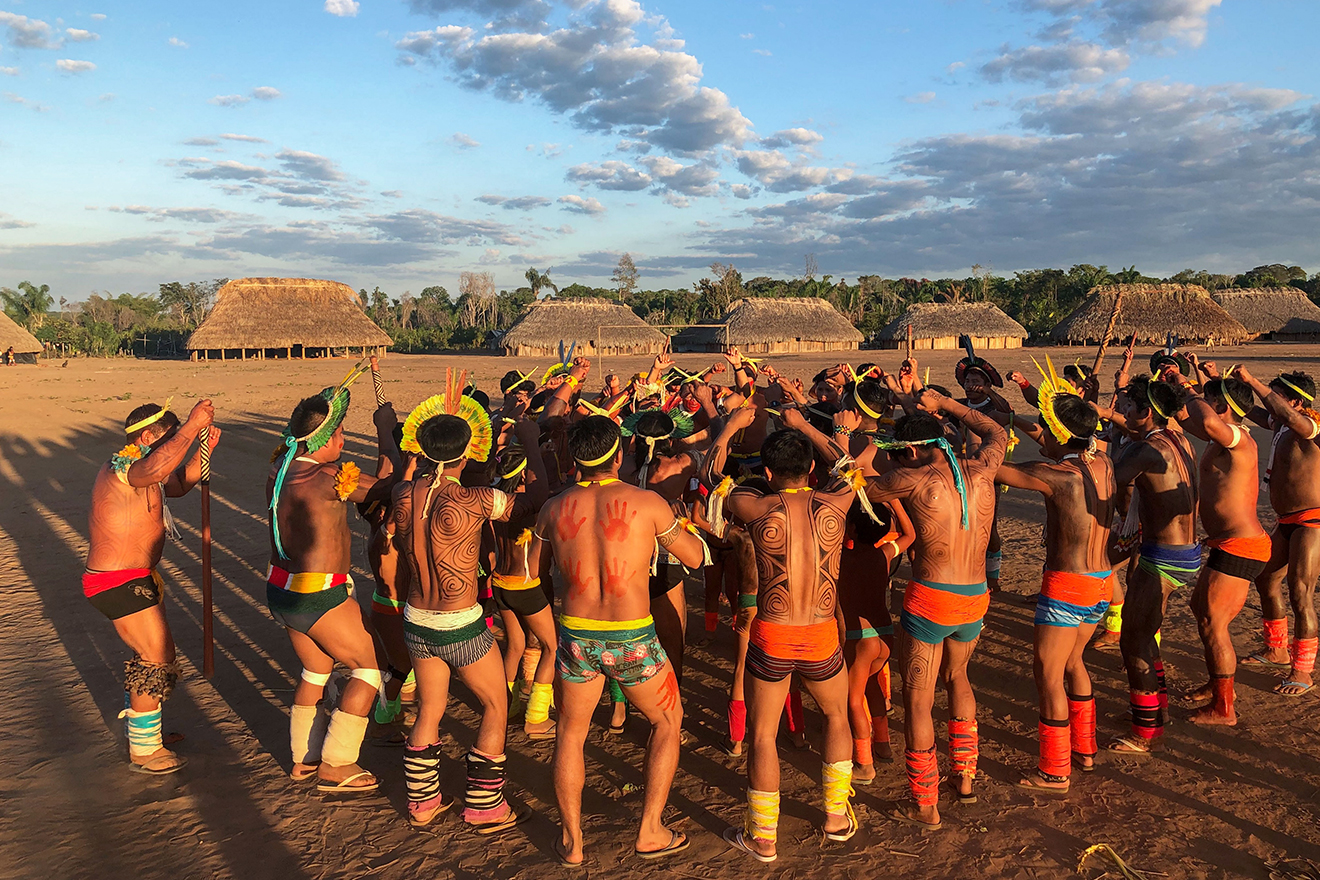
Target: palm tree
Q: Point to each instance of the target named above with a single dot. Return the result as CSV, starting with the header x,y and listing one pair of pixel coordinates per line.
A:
x,y
536,280
28,305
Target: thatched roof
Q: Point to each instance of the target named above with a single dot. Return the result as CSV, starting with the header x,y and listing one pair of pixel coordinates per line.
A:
x,y
286,312
767,320
940,320
1284,310
1152,312
13,334
593,323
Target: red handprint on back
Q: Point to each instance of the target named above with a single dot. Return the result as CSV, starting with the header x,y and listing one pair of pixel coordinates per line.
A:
x,y
566,526
617,523
617,575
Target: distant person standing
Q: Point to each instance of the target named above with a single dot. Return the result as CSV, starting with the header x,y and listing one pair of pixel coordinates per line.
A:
x,y
10,358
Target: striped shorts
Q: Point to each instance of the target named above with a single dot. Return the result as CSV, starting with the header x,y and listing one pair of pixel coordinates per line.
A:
x,y
460,638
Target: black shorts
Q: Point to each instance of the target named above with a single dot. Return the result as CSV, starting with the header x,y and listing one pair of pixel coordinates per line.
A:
x,y
128,598
524,603
1234,566
661,582
301,611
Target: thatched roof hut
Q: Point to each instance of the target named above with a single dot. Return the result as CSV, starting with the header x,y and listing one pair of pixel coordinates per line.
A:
x,y
290,317
26,346
1152,312
769,325
938,326
598,326
1283,314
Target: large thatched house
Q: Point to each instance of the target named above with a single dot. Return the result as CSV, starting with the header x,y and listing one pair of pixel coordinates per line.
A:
x,y
764,325
26,346
598,326
938,326
1152,312
1282,314
286,317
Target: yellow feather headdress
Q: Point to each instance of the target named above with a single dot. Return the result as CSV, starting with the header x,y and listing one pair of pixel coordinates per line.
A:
x,y
451,403
1052,385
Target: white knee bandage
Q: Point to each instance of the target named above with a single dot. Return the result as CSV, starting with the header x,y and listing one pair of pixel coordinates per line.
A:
x,y
372,677
316,678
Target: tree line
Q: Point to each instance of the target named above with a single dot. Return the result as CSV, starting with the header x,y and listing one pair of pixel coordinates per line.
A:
x,y
158,325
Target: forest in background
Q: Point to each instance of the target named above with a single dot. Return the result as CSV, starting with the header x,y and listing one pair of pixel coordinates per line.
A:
x,y
434,320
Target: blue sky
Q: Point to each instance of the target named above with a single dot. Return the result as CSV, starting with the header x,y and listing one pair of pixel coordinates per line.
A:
x,y
401,142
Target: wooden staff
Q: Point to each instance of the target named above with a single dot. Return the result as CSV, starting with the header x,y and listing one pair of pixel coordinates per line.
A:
x,y
909,342
208,638
378,382
1109,331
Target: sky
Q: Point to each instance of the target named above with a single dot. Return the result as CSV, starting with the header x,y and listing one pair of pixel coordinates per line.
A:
x,y
398,143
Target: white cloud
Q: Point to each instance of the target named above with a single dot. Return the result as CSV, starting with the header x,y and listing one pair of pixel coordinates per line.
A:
x,y
28,33
266,93
78,35
599,71
97,16
777,173
8,222
518,203
920,98
579,205
245,138
8,71
1075,61
955,67
797,137
463,141
201,142
19,99
689,180
342,8
69,65
765,53
609,175
229,100
177,43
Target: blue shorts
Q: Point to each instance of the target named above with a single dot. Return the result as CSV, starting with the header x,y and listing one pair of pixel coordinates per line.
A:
x,y
1053,612
932,633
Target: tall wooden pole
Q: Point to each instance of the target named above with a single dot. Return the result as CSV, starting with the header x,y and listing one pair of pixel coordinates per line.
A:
x,y
208,639
378,382
1109,330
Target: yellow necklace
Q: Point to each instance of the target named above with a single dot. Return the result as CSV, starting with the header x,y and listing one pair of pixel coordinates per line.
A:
x,y
605,482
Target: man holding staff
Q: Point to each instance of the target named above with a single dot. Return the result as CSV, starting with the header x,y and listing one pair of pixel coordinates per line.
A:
x,y
127,528
309,589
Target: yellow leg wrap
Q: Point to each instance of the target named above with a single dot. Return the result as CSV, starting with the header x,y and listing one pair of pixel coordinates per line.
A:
x,y
836,785
762,815
538,704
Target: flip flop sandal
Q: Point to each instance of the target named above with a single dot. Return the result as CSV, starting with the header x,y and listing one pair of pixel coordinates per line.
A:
x,y
147,770
304,775
1085,768
1260,661
848,833
1127,747
1036,783
677,843
514,817
734,838
543,735
1305,688
899,816
563,860
345,787
422,822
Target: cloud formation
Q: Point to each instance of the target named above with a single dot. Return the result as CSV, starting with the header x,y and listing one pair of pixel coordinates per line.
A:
x,y
342,8
22,32
579,205
597,70
520,203
78,35
463,141
69,65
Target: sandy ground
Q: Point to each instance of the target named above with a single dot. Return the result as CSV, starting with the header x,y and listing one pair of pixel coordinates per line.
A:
x,y
1217,803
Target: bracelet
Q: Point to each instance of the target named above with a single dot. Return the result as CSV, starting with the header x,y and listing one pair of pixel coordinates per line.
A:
x,y
572,381
843,431
1024,384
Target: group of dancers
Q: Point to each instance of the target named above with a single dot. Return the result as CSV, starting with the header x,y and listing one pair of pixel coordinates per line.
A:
x,y
571,517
